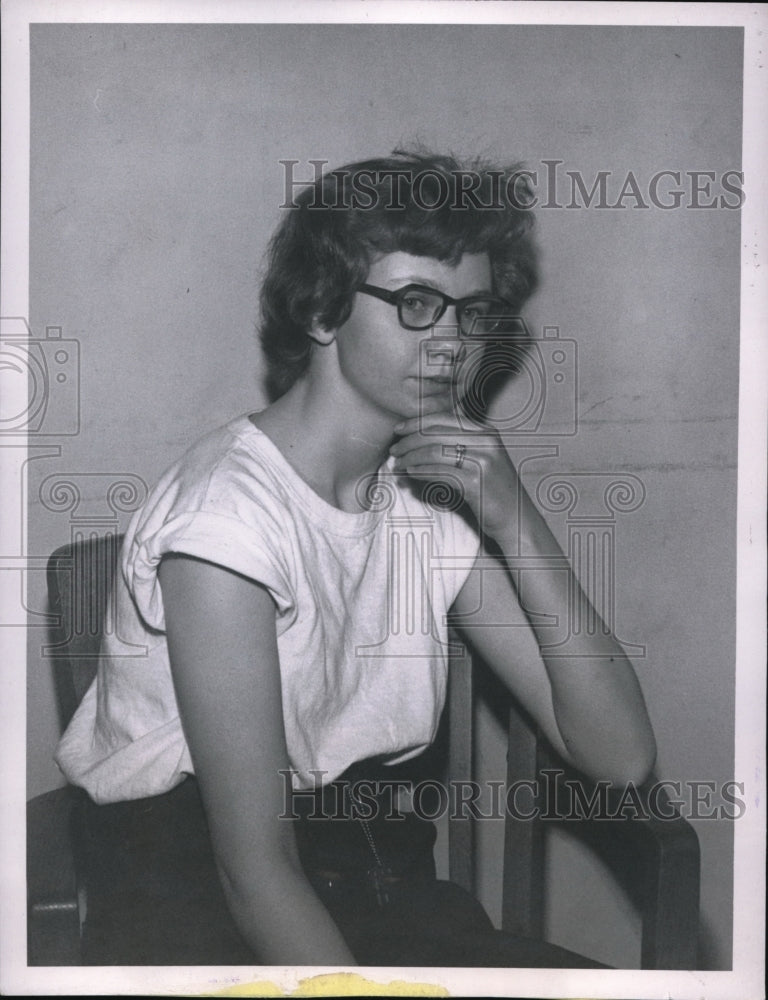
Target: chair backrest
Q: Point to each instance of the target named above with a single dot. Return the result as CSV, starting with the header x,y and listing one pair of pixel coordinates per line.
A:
x,y
523,859
80,578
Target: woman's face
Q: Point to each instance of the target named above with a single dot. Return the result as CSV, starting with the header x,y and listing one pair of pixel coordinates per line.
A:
x,y
404,372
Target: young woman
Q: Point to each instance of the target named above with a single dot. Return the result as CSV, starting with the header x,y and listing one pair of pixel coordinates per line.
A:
x,y
282,633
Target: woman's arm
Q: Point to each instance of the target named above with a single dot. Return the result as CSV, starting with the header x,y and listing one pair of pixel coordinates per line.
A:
x,y
223,650
588,703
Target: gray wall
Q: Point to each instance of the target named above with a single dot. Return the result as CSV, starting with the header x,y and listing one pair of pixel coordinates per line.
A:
x,y
155,185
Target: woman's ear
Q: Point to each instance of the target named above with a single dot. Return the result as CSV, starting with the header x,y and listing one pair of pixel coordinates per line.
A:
x,y
319,334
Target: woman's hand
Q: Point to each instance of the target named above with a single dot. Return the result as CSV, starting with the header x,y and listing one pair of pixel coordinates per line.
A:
x,y
466,455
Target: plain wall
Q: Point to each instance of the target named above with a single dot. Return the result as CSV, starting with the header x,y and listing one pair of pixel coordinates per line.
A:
x,y
156,183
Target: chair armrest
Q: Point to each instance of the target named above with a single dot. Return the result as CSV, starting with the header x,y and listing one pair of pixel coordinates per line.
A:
x,y
654,853
53,919
670,907
671,910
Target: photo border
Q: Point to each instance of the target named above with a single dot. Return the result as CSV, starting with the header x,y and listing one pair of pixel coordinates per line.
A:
x,y
746,979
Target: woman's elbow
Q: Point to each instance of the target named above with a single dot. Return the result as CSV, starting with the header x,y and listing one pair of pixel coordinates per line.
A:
x,y
620,761
635,755
636,764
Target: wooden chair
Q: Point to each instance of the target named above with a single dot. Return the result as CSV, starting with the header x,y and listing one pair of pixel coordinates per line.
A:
x,y
656,859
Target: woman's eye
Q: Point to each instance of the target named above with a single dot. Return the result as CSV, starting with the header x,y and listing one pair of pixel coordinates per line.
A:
x,y
415,303
475,309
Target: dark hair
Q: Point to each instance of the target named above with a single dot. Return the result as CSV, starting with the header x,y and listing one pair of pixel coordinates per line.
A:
x,y
418,203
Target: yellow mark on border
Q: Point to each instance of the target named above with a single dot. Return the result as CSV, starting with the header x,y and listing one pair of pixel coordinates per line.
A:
x,y
334,984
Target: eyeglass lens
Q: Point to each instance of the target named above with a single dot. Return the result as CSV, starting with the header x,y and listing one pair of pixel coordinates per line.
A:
x,y
420,309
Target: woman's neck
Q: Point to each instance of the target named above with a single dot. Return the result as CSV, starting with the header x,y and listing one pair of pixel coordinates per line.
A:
x,y
331,448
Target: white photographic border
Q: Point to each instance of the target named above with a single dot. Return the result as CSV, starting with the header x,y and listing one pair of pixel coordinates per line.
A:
x,y
746,978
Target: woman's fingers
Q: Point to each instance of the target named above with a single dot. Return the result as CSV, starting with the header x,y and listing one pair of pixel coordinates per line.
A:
x,y
443,448
437,473
441,456
445,438
442,429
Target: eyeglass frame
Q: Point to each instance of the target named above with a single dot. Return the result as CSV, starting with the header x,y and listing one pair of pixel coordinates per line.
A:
x,y
395,298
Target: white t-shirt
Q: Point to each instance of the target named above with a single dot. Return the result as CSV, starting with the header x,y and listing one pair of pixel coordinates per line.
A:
x,y
361,617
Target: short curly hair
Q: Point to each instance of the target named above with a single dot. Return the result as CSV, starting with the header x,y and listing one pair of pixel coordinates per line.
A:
x,y
415,202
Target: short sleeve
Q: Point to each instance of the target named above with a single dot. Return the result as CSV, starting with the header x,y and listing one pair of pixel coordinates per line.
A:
x,y
220,503
217,539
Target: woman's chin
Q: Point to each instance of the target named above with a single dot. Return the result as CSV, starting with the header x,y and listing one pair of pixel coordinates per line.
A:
x,y
435,402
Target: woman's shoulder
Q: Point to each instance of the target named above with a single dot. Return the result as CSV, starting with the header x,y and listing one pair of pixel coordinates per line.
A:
x,y
230,472
220,502
234,455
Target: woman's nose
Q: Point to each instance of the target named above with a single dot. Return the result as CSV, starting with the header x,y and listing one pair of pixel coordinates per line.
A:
x,y
445,349
449,320
446,334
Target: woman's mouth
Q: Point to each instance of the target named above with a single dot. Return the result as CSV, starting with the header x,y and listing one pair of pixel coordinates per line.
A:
x,y
436,383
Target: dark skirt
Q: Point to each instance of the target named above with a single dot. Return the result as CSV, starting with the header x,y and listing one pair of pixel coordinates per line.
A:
x,y
154,896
